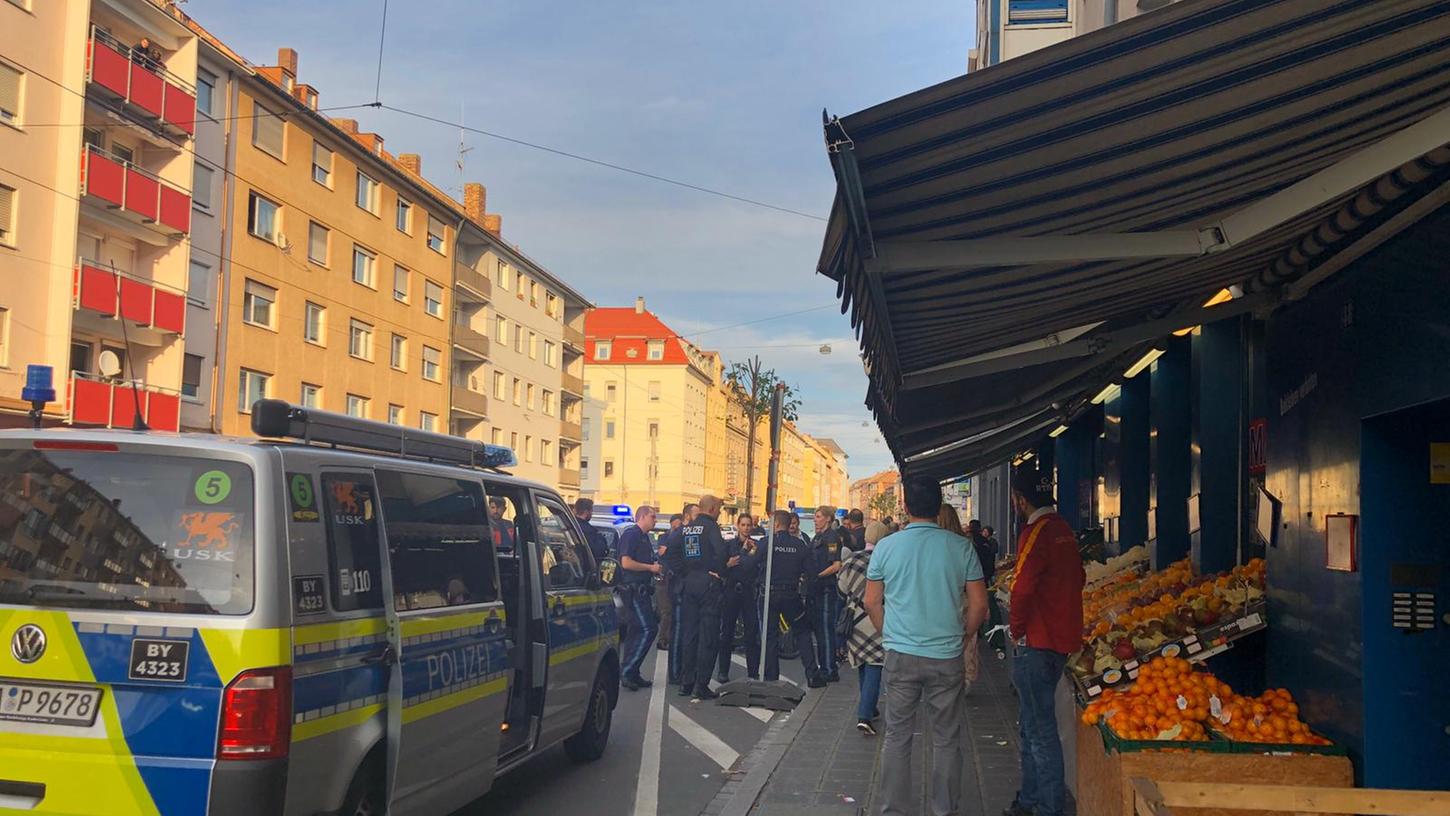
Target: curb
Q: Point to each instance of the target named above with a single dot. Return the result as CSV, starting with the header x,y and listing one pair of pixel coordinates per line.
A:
x,y
737,799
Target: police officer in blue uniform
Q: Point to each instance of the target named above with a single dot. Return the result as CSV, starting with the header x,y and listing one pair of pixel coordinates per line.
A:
x,y
584,511
824,599
702,593
792,564
636,587
672,549
742,584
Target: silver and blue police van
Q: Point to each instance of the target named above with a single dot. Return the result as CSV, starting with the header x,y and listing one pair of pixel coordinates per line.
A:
x,y
339,617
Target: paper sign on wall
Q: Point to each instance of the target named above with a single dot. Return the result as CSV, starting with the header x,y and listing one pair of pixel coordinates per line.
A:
x,y
1440,463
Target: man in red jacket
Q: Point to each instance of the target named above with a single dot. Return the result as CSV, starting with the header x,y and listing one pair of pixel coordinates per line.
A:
x,y
1046,626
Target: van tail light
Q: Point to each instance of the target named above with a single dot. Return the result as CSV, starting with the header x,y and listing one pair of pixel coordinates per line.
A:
x,y
257,715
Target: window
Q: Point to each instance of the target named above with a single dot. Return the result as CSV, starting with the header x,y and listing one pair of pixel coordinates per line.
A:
x,y
503,275
602,349
654,429
190,368
311,395
433,364
7,215
654,390
398,355
529,398
608,468
264,218
321,165
253,386
584,427
317,236
360,340
656,350
438,541
259,304
1036,12
93,137
519,283
201,186
518,391
400,284
433,299
519,340
611,392
546,451
436,233
584,468
528,448
403,216
357,406
198,284
427,422
267,131
314,326
548,399
395,414
501,330
549,351
500,386
9,95
354,554
367,193
497,436
362,266
551,305
123,153
608,429
205,90
534,294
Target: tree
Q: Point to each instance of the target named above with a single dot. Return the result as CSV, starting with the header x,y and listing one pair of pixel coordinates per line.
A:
x,y
751,386
884,504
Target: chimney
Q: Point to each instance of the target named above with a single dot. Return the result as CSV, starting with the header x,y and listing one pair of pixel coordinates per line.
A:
x,y
347,125
639,305
411,162
493,224
372,141
474,199
287,61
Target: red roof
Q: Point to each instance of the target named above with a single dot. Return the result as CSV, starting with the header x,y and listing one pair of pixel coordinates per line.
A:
x,y
628,330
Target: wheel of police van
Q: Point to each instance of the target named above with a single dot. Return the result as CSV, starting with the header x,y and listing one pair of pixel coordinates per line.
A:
x,y
588,745
365,796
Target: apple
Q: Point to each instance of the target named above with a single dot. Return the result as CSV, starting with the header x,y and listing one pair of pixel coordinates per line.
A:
x,y
1123,650
1205,617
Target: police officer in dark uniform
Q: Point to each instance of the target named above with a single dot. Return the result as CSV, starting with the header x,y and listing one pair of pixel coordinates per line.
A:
x,y
824,600
742,583
672,558
792,563
584,511
636,586
702,592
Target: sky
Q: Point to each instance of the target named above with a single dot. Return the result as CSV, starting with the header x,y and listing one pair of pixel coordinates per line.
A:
x,y
721,95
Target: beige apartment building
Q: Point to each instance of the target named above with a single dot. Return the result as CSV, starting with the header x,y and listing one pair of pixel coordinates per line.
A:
x,y
1011,28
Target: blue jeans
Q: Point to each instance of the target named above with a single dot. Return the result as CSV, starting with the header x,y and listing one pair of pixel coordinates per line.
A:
x,y
869,677
1035,673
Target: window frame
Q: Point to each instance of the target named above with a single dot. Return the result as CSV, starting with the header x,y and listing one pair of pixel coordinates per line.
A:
x,y
312,227
244,377
365,402
201,202
302,395
374,194
355,328
206,79
402,295
260,114
403,208
326,180
201,301
398,352
308,309
254,210
250,299
436,364
7,230
603,349
441,235
371,267
428,299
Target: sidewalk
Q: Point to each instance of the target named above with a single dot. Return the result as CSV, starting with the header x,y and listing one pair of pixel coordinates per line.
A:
x,y
830,769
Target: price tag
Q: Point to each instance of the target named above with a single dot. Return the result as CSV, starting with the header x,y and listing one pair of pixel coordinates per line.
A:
x,y
1250,621
1225,717
1215,707
1182,703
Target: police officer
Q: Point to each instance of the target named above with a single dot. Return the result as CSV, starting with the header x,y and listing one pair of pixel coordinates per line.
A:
x,y
742,582
638,567
792,563
824,601
667,595
701,579
584,512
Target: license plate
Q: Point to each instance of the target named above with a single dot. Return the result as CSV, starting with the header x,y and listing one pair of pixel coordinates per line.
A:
x,y
47,704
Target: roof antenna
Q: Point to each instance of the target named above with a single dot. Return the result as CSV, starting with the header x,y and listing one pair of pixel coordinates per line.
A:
x,y
138,422
463,148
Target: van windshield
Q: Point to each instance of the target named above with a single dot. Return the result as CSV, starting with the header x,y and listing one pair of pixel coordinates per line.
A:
x,y
108,530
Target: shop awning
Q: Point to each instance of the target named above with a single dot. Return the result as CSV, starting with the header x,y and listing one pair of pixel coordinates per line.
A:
x,y
1008,241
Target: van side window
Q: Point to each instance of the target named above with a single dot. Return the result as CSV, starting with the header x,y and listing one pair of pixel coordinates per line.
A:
x,y
438,541
353,549
566,558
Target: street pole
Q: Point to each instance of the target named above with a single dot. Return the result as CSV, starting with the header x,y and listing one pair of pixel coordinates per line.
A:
x,y
777,401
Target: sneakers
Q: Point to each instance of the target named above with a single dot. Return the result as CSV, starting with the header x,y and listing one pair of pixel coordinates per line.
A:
x,y
704,693
865,727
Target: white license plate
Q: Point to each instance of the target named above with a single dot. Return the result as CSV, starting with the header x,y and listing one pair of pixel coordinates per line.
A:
x,y
48,704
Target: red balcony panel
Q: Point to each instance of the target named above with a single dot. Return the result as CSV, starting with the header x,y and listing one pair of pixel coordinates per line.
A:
x,y
170,313
136,301
110,68
123,405
175,209
90,402
180,110
148,90
163,411
98,290
142,194
105,178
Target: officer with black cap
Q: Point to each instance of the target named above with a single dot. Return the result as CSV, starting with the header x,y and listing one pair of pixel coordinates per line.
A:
x,y
702,592
791,566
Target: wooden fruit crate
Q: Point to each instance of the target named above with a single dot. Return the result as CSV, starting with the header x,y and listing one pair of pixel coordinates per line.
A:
x,y
1154,798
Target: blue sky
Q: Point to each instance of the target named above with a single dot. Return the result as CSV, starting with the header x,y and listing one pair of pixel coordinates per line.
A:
x,y
727,96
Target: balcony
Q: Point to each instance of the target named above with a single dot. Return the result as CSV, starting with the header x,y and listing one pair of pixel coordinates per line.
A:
x,y
95,401
469,341
468,400
571,431
569,477
571,384
142,87
117,294
117,185
473,283
573,338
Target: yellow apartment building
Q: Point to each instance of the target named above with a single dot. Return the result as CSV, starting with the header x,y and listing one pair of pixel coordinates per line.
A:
x,y
340,292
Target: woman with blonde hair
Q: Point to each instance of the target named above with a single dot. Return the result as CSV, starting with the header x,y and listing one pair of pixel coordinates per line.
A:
x,y
864,648
949,520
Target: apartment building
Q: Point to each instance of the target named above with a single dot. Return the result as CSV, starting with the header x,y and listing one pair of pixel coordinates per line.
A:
x,y
864,491
1011,28
339,290
96,158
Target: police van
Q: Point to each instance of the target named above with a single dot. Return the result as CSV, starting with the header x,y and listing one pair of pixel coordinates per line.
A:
x,y
343,616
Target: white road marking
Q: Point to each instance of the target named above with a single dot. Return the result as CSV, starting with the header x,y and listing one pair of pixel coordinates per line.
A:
x,y
739,660
704,741
647,789
762,714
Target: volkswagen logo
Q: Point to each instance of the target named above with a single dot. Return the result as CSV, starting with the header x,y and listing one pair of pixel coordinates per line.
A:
x,y
28,644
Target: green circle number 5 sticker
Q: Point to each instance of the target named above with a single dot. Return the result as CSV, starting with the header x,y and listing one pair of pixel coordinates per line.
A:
x,y
302,490
212,487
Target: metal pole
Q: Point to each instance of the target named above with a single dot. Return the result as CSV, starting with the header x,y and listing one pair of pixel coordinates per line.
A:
x,y
777,400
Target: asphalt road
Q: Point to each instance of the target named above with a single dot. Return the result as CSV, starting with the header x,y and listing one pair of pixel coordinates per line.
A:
x,y
666,755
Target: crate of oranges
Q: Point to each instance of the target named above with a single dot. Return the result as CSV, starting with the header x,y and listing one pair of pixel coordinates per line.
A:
x,y
1268,723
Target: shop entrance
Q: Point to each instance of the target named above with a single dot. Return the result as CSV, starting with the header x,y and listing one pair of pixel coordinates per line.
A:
x,y
1404,559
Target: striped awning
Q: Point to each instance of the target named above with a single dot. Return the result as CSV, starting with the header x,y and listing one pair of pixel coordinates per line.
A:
x,y
1008,241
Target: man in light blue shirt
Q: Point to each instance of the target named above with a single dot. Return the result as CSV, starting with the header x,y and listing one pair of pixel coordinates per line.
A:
x,y
914,588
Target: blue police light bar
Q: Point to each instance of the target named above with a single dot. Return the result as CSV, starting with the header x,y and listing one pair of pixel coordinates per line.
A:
x,y
621,510
39,384
282,420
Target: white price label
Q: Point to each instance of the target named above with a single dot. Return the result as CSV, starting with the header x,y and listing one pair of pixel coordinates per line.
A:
x,y
1215,707
1250,621
1182,703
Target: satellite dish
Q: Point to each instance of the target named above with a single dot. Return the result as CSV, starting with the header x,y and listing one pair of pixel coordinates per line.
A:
x,y
109,363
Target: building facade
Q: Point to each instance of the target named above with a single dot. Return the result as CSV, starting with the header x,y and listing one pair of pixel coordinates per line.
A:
x,y
864,493
1011,28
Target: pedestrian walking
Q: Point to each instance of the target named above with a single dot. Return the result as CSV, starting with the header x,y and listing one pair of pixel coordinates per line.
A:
x,y
702,592
985,552
742,584
1045,624
863,646
638,566
824,602
791,568
915,580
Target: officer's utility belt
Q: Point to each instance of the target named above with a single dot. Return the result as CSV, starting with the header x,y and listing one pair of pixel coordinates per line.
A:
x,y
640,588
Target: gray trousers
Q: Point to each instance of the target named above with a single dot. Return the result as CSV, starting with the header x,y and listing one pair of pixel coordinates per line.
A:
x,y
912,685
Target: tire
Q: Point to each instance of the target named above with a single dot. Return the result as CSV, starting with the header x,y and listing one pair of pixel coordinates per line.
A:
x,y
589,744
365,796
